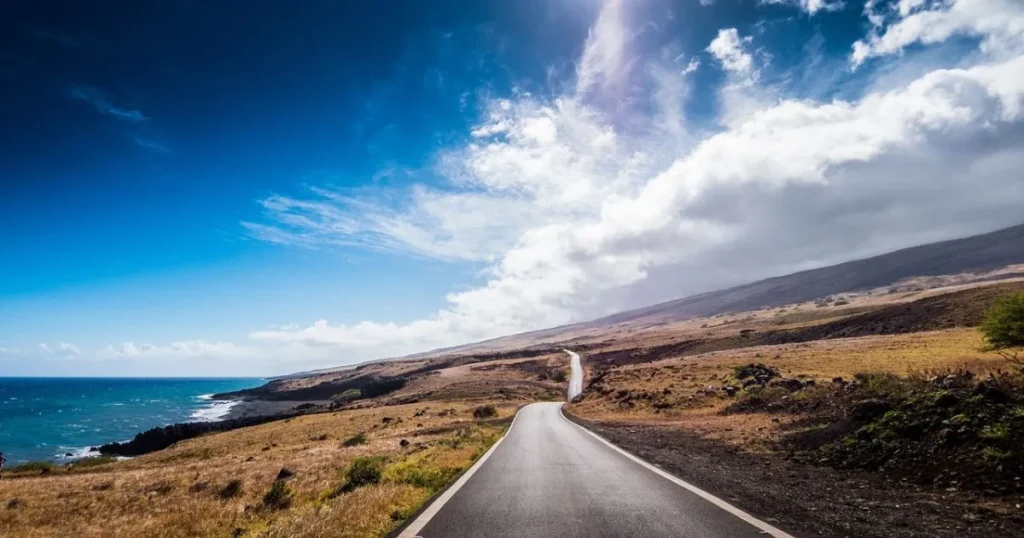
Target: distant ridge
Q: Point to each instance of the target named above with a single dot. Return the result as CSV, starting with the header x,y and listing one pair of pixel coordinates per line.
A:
x,y
970,254
977,253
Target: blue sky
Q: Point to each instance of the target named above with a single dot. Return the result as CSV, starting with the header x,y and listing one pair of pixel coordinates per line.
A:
x,y
252,188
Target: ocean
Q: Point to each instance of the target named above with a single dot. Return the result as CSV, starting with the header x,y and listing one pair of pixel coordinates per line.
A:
x,y
50,418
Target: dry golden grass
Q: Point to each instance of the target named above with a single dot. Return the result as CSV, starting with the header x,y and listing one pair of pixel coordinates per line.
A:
x,y
686,378
176,492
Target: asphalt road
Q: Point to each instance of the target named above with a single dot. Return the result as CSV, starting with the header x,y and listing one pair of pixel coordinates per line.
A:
x,y
575,375
551,478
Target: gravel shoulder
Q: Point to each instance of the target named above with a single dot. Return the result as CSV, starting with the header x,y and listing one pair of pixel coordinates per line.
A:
x,y
807,500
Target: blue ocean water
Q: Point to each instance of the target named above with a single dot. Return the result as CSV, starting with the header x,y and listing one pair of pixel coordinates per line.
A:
x,y
48,418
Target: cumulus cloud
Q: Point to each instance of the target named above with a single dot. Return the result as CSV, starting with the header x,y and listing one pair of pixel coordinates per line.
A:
x,y
579,204
998,23
728,48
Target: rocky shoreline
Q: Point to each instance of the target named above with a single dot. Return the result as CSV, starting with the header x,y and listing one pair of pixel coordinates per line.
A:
x,y
245,412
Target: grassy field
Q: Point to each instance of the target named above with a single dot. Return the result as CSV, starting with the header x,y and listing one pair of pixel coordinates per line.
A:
x,y
685,391
224,484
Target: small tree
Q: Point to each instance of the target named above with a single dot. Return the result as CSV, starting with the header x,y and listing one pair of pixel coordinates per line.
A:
x,y
1003,326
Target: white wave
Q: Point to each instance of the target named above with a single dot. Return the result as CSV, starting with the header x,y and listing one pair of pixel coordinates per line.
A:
x,y
217,410
76,453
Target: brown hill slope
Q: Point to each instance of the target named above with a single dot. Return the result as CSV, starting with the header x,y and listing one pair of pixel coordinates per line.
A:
x,y
977,253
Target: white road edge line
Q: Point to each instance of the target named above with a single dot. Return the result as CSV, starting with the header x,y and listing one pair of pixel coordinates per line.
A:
x,y
412,531
764,527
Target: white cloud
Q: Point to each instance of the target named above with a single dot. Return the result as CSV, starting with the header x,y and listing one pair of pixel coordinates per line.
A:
x,y
998,23
811,6
68,349
176,350
728,48
61,349
576,208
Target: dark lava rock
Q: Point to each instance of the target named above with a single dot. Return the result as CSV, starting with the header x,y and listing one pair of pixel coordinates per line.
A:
x,y
403,443
947,400
870,409
990,390
761,373
792,385
284,474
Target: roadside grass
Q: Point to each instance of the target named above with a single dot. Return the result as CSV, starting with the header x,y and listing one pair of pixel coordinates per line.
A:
x,y
676,390
226,484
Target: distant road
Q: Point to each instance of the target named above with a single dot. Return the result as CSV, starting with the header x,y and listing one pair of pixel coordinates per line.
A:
x,y
575,375
549,477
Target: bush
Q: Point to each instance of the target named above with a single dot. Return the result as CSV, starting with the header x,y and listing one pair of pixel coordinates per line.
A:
x,y
348,395
485,411
93,461
559,376
355,440
363,471
231,489
280,496
422,473
1003,326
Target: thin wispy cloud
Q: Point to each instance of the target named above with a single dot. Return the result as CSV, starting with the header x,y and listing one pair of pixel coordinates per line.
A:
x,y
573,212
151,145
99,100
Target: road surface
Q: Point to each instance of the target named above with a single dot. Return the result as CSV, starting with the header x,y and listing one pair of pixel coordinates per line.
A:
x,y
548,477
575,375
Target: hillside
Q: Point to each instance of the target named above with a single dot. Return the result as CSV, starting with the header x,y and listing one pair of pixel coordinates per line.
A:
x,y
932,265
977,253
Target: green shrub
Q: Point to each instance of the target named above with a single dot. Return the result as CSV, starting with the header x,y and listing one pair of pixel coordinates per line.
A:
x,y
93,461
420,472
348,395
485,411
559,376
231,489
355,440
280,496
1003,326
363,471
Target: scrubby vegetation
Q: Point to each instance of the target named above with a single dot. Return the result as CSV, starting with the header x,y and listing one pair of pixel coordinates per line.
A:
x,y
949,429
1003,325
355,440
280,495
271,480
485,411
348,395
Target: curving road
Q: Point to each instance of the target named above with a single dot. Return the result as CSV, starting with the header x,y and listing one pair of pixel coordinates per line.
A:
x,y
549,477
575,375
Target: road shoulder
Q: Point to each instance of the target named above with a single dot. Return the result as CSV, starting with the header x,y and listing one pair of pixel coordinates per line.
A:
x,y
806,500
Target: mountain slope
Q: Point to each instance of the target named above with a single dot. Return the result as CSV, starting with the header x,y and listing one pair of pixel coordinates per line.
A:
x,y
977,253
971,254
